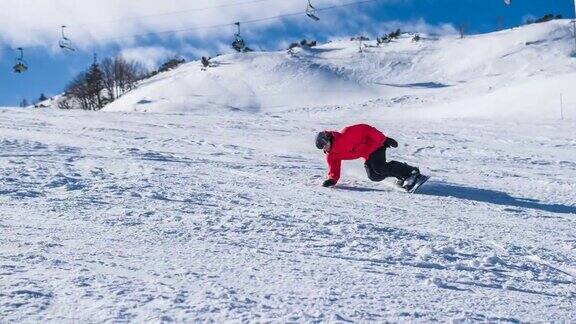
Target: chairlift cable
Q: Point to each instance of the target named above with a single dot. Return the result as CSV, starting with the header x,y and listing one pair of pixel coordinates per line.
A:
x,y
251,21
170,13
14,49
237,4
121,20
214,26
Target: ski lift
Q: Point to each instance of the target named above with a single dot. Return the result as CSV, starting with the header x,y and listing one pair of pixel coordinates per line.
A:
x,y
65,42
238,43
311,12
20,66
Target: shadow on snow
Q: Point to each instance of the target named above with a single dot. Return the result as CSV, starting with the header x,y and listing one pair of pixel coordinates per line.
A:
x,y
360,189
491,196
420,85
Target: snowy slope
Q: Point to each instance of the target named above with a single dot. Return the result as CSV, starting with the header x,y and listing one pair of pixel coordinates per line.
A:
x,y
138,217
211,209
494,68
250,82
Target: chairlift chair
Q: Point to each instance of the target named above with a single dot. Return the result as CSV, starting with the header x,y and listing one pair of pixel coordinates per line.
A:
x,y
238,43
65,42
311,12
20,66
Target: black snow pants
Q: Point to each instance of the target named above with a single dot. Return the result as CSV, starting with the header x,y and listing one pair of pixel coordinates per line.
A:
x,y
378,169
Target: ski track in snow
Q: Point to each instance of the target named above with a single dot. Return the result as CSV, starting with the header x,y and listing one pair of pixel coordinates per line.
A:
x,y
119,217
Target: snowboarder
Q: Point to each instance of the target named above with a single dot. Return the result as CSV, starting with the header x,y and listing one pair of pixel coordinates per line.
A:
x,y
367,142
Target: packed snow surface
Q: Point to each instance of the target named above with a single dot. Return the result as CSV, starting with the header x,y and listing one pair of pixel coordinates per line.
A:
x,y
206,210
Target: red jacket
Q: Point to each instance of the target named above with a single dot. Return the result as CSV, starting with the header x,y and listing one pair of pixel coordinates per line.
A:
x,y
353,142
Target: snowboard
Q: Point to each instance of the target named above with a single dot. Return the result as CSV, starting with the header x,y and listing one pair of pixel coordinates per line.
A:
x,y
421,180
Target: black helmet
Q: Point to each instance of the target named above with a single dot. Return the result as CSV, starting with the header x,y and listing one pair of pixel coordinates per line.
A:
x,y
322,139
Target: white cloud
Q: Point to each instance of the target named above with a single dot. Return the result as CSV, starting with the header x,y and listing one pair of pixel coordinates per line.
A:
x,y
210,50
37,22
150,57
528,17
107,22
419,26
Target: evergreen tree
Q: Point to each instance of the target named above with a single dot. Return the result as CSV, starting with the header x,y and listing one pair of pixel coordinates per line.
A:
x,y
95,86
172,63
42,98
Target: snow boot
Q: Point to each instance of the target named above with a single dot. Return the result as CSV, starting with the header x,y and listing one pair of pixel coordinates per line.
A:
x,y
411,180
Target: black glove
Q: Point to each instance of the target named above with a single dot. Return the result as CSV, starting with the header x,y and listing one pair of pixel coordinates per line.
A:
x,y
329,183
390,142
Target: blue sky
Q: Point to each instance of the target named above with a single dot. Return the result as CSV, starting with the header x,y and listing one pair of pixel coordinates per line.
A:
x,y
50,69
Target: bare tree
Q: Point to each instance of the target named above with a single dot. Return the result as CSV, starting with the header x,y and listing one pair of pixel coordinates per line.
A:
x,y
102,84
76,94
109,78
86,91
121,76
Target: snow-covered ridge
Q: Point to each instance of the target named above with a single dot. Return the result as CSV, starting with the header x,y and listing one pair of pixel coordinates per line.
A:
x,y
447,72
